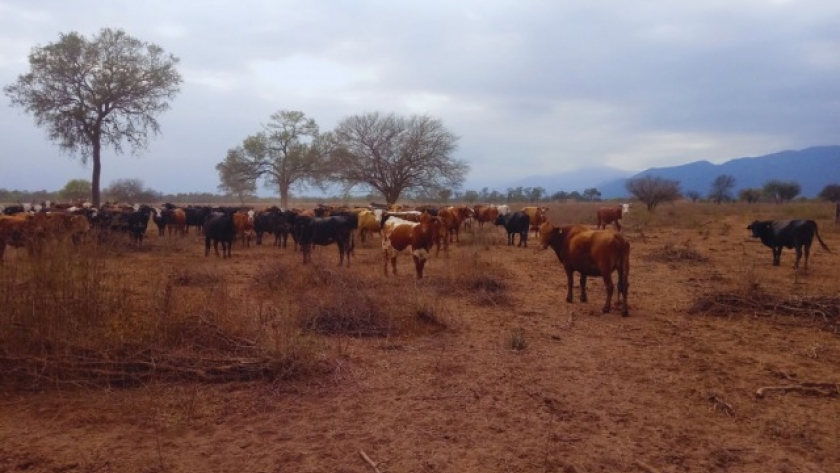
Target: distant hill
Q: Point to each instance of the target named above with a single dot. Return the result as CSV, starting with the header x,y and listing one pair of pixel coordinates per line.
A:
x,y
576,180
812,168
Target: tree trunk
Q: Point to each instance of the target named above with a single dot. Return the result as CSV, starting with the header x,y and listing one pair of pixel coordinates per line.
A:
x,y
97,170
284,196
392,196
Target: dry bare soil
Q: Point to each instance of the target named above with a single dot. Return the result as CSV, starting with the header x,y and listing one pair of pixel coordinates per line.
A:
x,y
482,366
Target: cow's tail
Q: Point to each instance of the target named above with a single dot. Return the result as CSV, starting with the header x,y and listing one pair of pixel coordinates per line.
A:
x,y
817,233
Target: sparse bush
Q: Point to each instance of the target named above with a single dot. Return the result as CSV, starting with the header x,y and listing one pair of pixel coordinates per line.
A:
x,y
516,340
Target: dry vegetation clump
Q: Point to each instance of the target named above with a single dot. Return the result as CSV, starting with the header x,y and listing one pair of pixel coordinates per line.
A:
x,y
823,310
470,276
671,253
75,315
337,301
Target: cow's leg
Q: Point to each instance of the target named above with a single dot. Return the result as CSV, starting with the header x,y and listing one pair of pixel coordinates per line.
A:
x,y
798,248
610,287
570,283
777,255
418,265
583,297
807,246
617,226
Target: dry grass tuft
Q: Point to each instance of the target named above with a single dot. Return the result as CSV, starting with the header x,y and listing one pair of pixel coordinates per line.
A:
x,y
516,340
674,254
189,277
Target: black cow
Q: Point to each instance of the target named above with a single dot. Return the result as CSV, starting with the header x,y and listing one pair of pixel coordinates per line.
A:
x,y
276,221
13,209
325,231
162,218
196,216
138,222
516,222
789,234
133,222
220,228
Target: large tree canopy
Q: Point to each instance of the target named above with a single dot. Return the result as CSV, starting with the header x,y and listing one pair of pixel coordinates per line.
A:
x,y
289,151
394,154
100,91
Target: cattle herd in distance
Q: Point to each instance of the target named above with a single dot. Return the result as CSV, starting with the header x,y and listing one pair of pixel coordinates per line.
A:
x,y
580,249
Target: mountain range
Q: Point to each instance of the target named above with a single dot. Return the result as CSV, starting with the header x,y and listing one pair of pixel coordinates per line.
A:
x,y
812,168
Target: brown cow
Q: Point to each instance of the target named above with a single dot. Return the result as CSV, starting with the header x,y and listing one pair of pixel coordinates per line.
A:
x,y
607,215
590,253
178,222
485,213
536,216
244,222
18,231
369,222
399,234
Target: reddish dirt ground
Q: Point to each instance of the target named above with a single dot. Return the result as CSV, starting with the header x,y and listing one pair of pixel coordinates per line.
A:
x,y
590,392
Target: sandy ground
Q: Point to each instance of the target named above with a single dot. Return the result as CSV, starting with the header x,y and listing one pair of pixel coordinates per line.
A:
x,y
662,390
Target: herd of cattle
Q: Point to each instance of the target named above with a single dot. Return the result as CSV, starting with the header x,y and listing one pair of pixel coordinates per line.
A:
x,y
589,252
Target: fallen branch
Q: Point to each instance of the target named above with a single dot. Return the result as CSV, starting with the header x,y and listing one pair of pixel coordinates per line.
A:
x,y
822,389
369,461
722,405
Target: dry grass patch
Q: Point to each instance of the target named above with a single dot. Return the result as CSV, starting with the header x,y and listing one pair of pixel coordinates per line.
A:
x,y
76,315
671,253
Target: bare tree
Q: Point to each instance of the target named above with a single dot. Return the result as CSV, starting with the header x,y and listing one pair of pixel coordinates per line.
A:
x,y
289,151
721,188
393,154
102,91
653,190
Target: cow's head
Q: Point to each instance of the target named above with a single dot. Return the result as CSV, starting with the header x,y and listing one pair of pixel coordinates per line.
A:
x,y
760,228
548,232
625,208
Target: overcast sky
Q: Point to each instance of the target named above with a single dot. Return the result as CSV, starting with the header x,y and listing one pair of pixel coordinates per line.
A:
x,y
531,87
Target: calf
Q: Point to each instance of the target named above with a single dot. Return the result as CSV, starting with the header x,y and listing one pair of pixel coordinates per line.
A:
x,y
607,215
590,253
797,234
399,234
517,222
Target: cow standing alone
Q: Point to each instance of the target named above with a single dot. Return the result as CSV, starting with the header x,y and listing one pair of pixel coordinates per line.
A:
x,y
607,215
797,234
590,253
